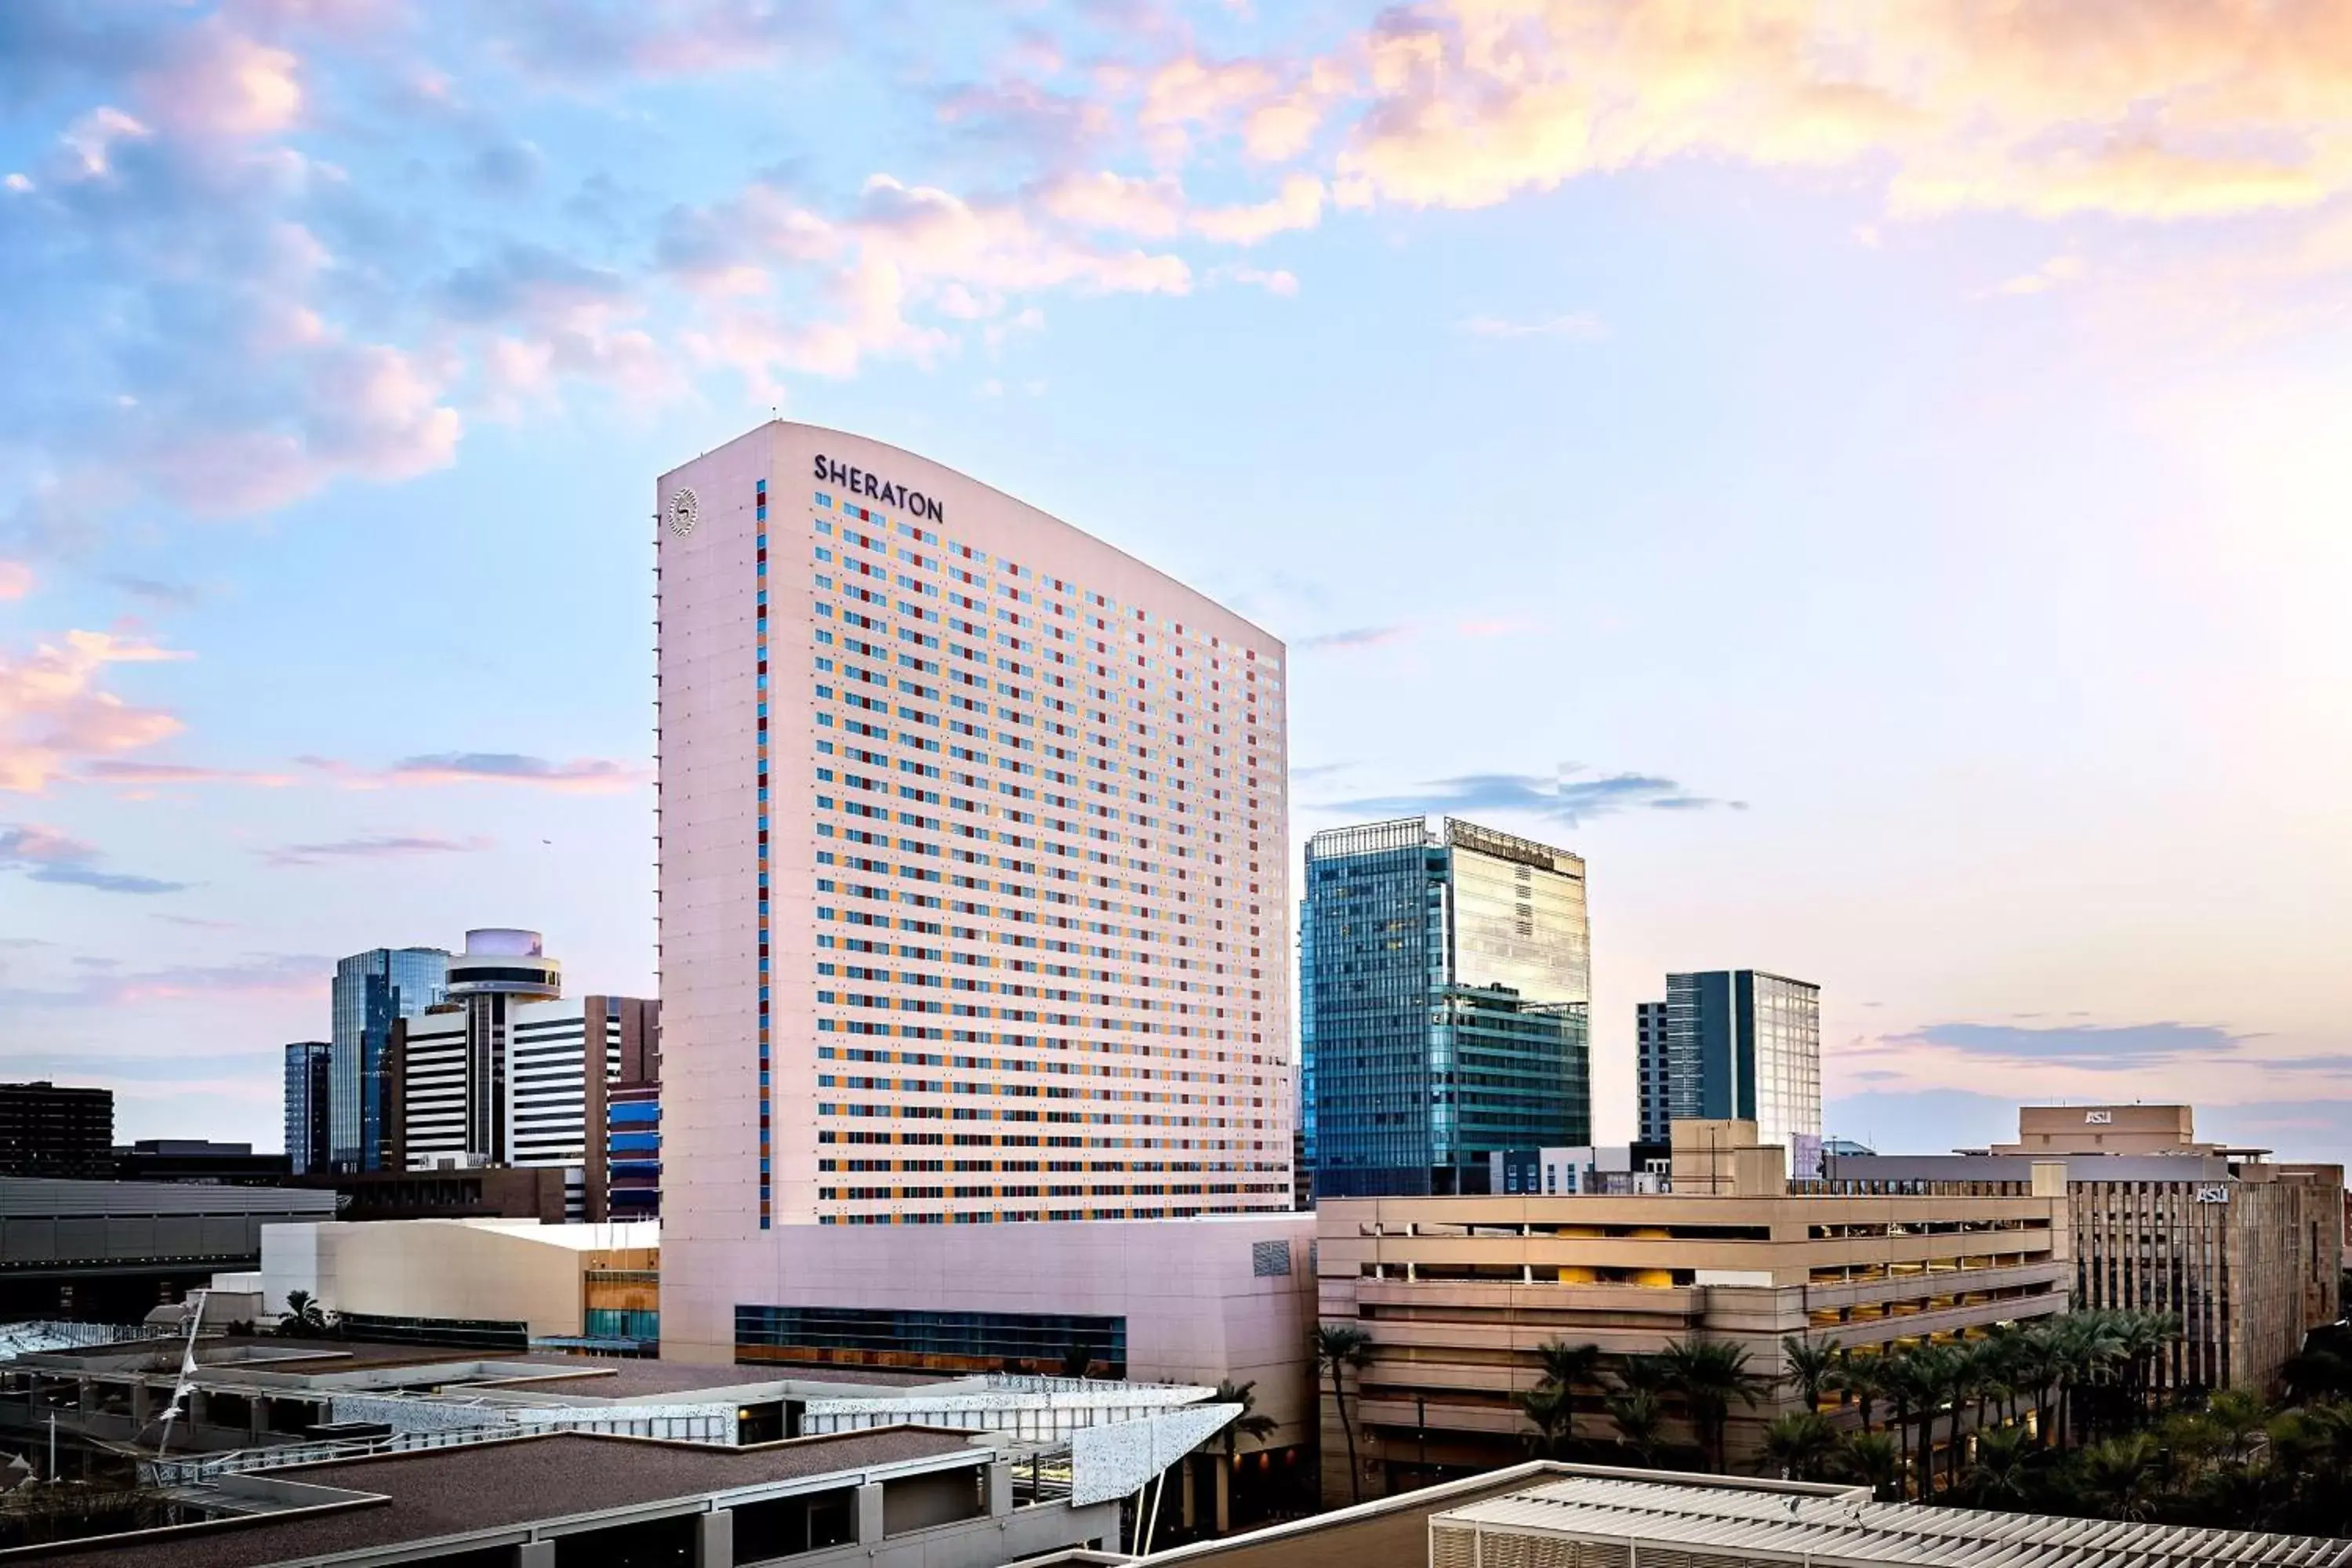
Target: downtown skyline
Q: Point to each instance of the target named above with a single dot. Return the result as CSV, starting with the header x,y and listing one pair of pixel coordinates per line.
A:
x,y
1870,489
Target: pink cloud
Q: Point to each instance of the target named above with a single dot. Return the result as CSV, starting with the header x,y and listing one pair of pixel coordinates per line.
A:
x,y
147,774
2194,110
217,81
372,846
53,713
16,579
581,775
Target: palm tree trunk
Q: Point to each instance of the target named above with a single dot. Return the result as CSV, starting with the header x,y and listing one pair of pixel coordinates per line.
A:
x,y
1339,1402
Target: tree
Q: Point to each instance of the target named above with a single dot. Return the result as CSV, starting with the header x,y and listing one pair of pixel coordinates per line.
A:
x,y
1799,1446
1814,1366
1638,1416
1915,1382
1709,1374
1569,1367
303,1317
2002,1471
2120,1476
1547,1408
1078,1358
1339,1349
1864,1377
1249,1424
1875,1460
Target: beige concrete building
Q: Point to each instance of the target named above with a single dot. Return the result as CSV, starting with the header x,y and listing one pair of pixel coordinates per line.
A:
x,y
543,1276
1458,1294
2245,1251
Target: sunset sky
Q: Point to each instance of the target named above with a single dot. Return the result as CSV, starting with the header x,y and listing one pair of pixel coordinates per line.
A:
x,y
1875,479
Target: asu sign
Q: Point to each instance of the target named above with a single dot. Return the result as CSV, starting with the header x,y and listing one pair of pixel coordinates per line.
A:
x,y
873,487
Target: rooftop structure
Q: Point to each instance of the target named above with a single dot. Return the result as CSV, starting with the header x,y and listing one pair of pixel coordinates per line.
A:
x,y
1607,1517
904,1495
1589,1517
101,1249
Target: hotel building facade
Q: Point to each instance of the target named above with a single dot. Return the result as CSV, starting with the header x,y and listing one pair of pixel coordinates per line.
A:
x,y
974,871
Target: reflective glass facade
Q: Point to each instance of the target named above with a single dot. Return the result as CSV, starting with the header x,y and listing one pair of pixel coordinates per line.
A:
x,y
305,1105
1444,983
1742,1043
949,1341
371,990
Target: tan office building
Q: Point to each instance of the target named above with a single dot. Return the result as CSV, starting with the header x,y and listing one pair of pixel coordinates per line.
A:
x,y
2245,1251
1458,1294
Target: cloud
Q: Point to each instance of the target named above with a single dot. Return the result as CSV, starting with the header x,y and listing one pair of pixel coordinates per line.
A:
x,y
16,579
2051,274
147,774
1356,636
372,846
1571,798
173,596
561,42
1580,326
256,974
2194,109
2121,1047
902,252
54,714
581,775
1278,281
46,855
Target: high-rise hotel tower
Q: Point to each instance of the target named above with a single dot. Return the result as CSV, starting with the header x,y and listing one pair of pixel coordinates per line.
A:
x,y
974,894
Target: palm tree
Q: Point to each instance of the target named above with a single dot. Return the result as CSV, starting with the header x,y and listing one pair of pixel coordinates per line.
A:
x,y
1638,1416
1915,1384
1875,1460
2121,1476
2236,1417
303,1317
1339,1349
1569,1367
1709,1374
1799,1444
1249,1424
1964,1381
1814,1365
1864,1377
2003,1467
1548,1409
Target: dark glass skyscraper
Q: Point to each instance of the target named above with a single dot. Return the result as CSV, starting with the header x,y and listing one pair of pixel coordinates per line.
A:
x,y
1742,1043
1445,982
307,1098
371,990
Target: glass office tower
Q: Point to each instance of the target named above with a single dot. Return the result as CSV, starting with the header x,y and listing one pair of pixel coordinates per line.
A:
x,y
1742,1043
371,990
305,1105
1444,983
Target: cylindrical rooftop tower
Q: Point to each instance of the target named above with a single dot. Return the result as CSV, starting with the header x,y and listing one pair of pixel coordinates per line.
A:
x,y
503,961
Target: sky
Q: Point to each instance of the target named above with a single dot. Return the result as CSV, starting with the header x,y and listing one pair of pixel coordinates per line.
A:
x,y
1872,479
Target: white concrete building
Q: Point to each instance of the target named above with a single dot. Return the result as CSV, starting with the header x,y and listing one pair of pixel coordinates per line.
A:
x,y
974,880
